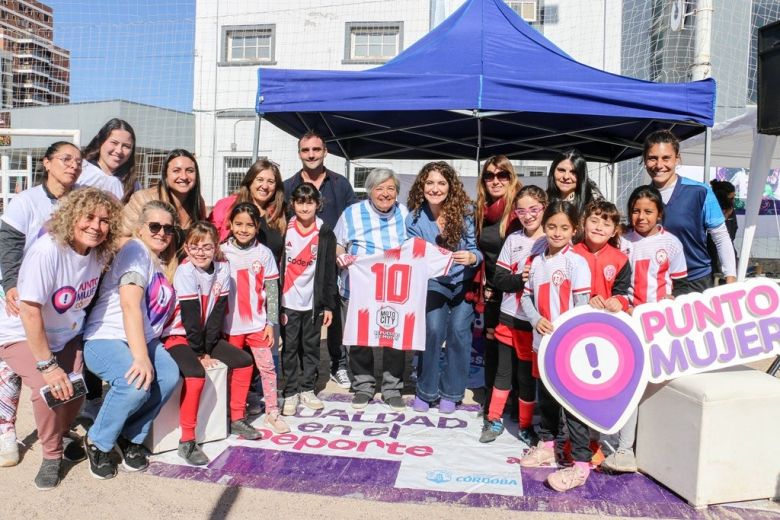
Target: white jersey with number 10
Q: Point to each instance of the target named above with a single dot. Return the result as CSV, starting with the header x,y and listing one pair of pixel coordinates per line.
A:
x,y
388,292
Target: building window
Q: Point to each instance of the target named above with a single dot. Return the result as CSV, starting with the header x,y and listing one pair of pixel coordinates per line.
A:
x,y
248,44
531,171
235,169
527,9
372,42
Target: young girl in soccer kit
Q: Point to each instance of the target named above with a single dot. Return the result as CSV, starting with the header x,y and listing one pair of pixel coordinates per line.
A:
x,y
253,305
657,261
657,257
308,296
193,338
559,279
514,332
610,271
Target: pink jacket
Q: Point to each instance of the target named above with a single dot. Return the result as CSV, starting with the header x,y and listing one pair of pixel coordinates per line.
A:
x,y
219,215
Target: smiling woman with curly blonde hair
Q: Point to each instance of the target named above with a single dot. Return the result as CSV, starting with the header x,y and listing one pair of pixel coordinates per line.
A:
x,y
58,279
84,202
440,212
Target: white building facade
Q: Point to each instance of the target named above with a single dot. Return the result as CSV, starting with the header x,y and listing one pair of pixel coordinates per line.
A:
x,y
235,37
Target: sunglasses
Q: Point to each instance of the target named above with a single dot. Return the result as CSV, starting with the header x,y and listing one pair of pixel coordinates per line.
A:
x,y
155,227
531,212
500,175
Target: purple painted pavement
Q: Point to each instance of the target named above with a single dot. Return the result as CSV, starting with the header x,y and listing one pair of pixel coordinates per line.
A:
x,y
631,495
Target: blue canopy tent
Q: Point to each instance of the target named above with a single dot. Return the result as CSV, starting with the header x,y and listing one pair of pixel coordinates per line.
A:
x,y
481,83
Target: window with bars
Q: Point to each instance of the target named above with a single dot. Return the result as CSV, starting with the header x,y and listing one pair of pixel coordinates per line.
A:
x,y
248,44
527,9
235,168
372,42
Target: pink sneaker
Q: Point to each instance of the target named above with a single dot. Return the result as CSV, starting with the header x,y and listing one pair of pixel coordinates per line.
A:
x,y
538,456
274,421
568,478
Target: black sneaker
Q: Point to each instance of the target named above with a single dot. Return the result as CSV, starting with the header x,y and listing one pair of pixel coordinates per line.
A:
x,y
360,401
48,476
191,452
133,455
242,428
396,403
100,464
74,450
528,436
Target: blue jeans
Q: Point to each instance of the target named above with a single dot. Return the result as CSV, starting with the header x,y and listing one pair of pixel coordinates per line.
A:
x,y
127,410
447,316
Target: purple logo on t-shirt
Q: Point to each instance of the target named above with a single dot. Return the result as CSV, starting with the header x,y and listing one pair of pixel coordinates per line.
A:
x,y
159,299
63,299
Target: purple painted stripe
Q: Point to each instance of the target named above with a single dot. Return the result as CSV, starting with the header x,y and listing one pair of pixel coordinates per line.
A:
x,y
310,468
624,495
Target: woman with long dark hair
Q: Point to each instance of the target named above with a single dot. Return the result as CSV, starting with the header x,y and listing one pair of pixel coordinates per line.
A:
x,y
180,187
109,160
568,180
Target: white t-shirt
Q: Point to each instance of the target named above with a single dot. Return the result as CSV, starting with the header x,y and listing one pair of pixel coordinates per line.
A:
x,y
389,288
28,212
300,260
249,270
106,322
193,283
63,282
92,175
656,260
514,256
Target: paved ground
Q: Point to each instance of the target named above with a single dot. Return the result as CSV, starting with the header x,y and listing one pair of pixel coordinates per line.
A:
x,y
145,496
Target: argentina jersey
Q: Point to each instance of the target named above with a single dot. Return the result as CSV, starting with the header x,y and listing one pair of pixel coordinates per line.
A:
x,y
361,230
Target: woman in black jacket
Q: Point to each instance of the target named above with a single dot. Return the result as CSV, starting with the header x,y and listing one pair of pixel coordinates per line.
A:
x,y
308,296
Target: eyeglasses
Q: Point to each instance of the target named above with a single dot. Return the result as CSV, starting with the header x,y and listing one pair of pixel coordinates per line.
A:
x,y
69,160
155,227
531,212
208,248
500,175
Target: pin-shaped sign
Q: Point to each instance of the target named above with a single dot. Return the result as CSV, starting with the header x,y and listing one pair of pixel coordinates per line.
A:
x,y
594,363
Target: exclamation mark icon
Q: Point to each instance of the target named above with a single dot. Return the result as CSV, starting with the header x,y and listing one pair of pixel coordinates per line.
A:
x,y
593,359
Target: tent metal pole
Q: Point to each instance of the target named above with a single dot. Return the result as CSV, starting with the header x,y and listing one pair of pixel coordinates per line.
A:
x,y
613,182
707,153
256,138
479,135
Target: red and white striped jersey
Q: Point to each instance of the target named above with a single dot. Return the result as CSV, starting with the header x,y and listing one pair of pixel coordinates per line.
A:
x,y
388,293
553,282
192,283
300,260
656,260
516,253
249,270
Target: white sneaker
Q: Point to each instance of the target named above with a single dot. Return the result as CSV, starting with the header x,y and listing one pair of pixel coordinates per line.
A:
x,y
91,408
290,405
9,450
341,378
310,400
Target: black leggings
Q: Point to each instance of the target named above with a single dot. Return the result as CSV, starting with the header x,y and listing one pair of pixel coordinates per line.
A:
x,y
507,364
190,365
